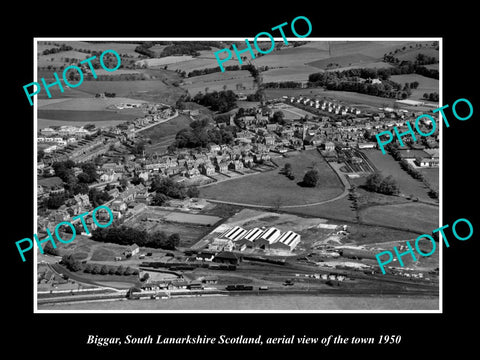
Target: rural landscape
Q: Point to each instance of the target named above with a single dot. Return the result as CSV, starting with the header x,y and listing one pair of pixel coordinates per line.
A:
x,y
258,188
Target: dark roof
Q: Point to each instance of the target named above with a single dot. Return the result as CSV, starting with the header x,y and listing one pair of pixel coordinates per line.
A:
x,y
226,255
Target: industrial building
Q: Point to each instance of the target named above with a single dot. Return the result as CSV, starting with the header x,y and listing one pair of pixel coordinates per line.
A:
x,y
267,238
287,241
270,238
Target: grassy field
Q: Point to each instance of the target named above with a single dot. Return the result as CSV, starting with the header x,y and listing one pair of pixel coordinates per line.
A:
x,y
426,85
293,73
167,60
388,166
82,116
44,123
228,80
432,175
342,61
147,90
274,189
339,210
411,54
121,48
413,216
169,128
58,59
84,104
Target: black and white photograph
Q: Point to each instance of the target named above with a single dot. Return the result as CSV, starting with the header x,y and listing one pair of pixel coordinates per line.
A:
x,y
216,180
255,183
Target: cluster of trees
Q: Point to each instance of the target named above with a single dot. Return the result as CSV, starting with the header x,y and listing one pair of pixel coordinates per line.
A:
x,y
198,72
109,270
409,67
349,80
431,96
188,48
221,101
166,188
384,185
56,50
71,263
144,49
311,178
176,48
117,77
124,235
287,171
278,117
423,59
107,94
76,184
283,85
200,134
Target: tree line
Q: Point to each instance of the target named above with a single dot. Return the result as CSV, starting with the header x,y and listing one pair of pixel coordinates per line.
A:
x,y
201,133
376,182
124,235
221,101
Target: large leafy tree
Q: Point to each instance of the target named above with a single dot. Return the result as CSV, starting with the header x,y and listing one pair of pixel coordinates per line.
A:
x,y
311,178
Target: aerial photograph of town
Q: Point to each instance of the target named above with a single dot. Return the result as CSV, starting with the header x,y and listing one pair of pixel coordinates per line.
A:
x,y
258,188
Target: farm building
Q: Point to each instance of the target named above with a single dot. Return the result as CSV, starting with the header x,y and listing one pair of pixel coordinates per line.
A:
x,y
287,241
131,250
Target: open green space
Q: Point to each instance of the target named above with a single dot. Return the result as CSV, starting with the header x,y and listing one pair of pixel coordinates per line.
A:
x,y
79,115
275,189
426,85
167,129
388,166
339,210
410,216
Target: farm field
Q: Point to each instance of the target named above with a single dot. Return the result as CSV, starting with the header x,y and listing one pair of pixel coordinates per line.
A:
x,y
88,116
84,104
121,48
411,54
194,64
293,73
228,80
292,112
426,85
44,123
167,60
274,189
147,90
375,49
432,175
342,61
412,216
339,210
167,129
58,59
389,166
